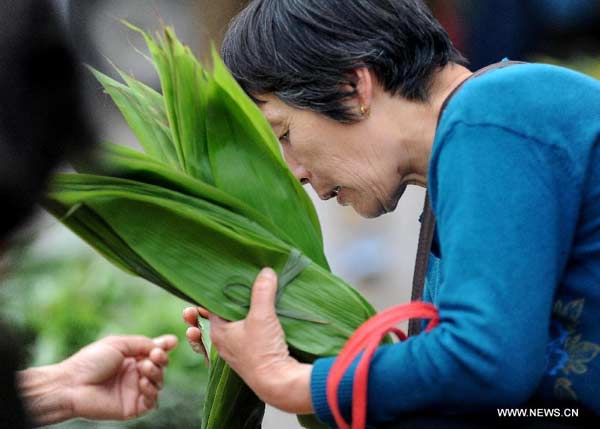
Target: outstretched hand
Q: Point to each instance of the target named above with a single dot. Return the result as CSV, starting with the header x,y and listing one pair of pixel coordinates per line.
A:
x,y
115,378
118,377
256,349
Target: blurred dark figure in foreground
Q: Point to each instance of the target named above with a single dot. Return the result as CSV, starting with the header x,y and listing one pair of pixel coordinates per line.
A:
x,y
38,83
41,124
41,119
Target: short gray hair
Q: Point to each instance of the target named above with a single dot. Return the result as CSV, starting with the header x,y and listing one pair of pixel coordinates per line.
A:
x,y
304,51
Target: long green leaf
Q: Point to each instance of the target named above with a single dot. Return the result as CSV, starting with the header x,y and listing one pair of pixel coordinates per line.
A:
x,y
229,403
209,250
145,114
244,167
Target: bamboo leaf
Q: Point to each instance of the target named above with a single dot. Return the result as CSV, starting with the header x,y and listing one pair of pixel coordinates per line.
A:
x,y
229,402
144,113
244,167
206,249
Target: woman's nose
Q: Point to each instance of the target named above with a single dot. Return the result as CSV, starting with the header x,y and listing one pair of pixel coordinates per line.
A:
x,y
298,170
301,174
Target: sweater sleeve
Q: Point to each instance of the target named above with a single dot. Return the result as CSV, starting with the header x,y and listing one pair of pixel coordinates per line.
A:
x,y
506,208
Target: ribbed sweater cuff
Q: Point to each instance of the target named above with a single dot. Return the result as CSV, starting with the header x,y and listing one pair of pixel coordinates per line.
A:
x,y
318,387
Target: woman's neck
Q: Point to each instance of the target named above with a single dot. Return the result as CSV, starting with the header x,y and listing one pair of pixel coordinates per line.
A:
x,y
418,122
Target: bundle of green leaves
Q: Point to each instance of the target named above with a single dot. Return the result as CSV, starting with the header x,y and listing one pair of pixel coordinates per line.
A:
x,y
209,203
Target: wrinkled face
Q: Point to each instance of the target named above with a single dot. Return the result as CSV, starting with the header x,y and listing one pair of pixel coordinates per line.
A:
x,y
353,163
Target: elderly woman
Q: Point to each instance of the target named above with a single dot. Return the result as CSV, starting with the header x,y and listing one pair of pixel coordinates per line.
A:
x,y
354,89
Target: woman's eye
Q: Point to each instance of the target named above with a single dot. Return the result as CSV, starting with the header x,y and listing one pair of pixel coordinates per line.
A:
x,y
285,138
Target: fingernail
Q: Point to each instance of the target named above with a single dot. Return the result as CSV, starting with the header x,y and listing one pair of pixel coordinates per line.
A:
x,y
267,273
160,342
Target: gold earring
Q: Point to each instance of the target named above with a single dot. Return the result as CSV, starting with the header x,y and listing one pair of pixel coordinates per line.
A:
x,y
364,110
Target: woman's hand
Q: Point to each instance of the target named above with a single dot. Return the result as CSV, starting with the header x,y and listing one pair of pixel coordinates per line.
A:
x,y
116,378
256,349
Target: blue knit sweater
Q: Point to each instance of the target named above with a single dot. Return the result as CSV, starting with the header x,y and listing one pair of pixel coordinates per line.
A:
x,y
514,182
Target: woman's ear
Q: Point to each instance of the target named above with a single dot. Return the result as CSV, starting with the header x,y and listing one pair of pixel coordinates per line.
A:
x,y
364,84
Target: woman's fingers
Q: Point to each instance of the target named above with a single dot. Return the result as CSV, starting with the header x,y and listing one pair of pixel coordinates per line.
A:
x,y
159,357
166,342
144,405
148,389
151,372
193,333
148,398
194,337
190,315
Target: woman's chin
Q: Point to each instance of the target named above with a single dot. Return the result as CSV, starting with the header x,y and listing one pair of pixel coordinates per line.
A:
x,y
372,208
369,211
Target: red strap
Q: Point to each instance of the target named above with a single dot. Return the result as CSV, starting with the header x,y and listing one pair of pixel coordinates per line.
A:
x,y
366,339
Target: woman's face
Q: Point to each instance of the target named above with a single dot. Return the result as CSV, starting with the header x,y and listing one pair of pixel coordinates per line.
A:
x,y
358,160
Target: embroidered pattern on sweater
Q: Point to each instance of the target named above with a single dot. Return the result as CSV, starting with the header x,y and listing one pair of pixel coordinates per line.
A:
x,y
568,354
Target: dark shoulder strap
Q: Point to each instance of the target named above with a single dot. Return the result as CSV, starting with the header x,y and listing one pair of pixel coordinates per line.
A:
x,y
428,220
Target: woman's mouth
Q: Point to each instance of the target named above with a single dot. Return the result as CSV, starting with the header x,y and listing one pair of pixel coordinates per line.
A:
x,y
340,197
333,193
